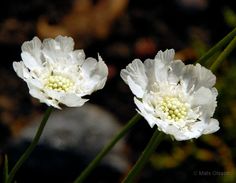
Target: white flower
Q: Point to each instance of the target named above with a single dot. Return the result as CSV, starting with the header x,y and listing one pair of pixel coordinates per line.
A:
x,y
57,74
180,99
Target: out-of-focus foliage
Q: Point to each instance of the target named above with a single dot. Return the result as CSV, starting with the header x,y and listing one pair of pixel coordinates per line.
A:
x,y
86,20
230,17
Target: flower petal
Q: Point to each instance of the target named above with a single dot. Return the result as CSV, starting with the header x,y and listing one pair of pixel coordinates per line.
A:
x,y
212,126
156,71
72,100
94,73
135,88
135,74
175,132
77,56
18,68
89,66
166,57
205,77
52,51
36,93
150,71
176,71
201,97
143,112
30,61
206,99
197,76
161,71
185,133
66,44
33,47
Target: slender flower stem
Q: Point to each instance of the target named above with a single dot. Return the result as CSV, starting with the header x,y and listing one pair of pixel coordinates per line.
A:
x,y
106,149
152,145
223,55
33,144
217,46
211,60
5,172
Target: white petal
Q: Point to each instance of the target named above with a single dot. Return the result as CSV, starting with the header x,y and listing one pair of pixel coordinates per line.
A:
x,y
102,73
55,95
197,76
21,70
66,43
77,56
102,68
156,71
202,96
52,52
51,102
34,82
206,99
142,112
161,71
185,134
52,49
18,68
36,93
89,66
150,71
212,126
195,129
32,46
166,57
60,43
175,132
135,74
189,78
30,61
94,73
176,71
206,77
135,88
72,100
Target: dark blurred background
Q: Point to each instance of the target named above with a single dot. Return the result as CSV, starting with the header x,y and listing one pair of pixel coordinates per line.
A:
x,y
119,30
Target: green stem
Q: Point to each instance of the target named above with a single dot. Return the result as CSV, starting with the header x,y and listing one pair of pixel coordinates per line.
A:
x,y
218,46
229,48
106,149
33,144
211,60
150,148
5,172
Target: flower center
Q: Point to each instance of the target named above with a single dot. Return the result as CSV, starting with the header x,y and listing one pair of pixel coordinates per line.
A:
x,y
59,83
174,108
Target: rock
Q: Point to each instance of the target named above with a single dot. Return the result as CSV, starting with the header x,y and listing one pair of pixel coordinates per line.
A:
x,y
74,132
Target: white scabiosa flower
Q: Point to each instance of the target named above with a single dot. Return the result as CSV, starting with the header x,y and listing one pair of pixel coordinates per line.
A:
x,y
180,99
57,74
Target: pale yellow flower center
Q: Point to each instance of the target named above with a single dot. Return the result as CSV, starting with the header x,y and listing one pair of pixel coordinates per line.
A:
x,y
59,83
174,108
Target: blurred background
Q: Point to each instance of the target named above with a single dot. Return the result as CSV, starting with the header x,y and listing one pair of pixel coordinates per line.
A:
x,y
120,30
